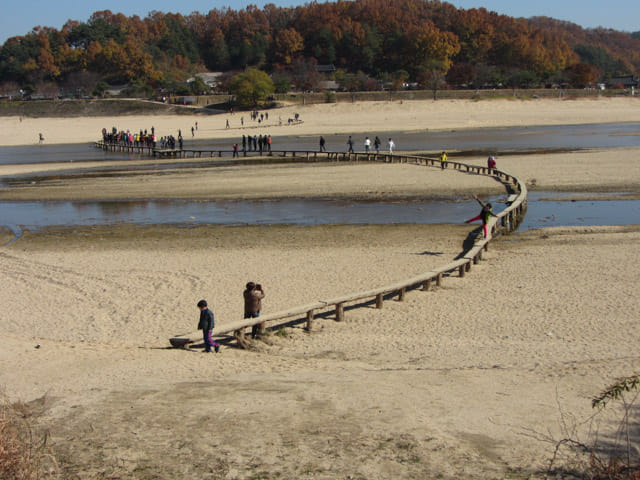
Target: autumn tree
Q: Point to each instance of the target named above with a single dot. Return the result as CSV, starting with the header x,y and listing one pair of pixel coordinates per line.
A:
x,y
304,74
288,44
428,48
429,39
580,75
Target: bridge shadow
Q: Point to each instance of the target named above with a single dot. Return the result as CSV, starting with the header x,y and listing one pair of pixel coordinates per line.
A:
x,y
432,254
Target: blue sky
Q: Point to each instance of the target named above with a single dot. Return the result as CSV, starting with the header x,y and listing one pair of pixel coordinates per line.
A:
x,y
19,17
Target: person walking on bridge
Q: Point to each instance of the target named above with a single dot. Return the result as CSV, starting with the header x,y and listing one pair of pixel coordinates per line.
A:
x,y
391,146
485,214
443,160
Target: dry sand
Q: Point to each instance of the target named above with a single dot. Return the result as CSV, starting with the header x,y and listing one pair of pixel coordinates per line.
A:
x,y
451,383
407,116
448,383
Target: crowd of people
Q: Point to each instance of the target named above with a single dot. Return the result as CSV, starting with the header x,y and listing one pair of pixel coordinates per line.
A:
x,y
143,138
256,143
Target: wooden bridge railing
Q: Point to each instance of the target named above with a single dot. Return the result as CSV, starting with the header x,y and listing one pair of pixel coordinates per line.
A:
x,y
506,221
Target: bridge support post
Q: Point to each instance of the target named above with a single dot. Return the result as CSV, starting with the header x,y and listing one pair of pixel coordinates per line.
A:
x,y
241,339
310,315
379,301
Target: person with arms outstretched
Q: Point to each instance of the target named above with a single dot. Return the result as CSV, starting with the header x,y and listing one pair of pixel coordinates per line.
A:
x,y
485,214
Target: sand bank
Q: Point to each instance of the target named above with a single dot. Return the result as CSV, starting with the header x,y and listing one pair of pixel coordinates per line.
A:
x,y
446,383
365,117
612,170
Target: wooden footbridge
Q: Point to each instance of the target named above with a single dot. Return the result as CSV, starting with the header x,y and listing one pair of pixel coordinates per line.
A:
x,y
156,152
506,221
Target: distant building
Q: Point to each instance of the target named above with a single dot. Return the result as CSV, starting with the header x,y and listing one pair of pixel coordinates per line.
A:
x,y
115,90
326,69
329,85
209,78
627,81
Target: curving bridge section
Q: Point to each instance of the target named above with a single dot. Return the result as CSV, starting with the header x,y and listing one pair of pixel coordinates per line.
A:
x,y
505,222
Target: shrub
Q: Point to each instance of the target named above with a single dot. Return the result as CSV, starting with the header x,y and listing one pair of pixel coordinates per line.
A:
x,y
23,454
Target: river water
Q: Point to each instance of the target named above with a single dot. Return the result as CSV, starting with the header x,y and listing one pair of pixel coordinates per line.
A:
x,y
496,140
301,212
35,215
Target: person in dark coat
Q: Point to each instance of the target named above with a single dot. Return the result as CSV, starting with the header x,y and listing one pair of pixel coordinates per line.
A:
x,y
253,295
206,324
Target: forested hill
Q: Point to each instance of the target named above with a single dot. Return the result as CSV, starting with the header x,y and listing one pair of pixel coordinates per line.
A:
x,y
373,40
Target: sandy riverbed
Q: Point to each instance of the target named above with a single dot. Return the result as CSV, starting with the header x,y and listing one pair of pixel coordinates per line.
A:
x,y
365,117
448,382
612,170
451,383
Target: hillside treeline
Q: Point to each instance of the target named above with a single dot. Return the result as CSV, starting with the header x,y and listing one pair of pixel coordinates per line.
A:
x,y
368,41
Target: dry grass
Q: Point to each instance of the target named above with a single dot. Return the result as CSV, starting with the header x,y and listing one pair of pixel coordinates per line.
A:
x,y
24,454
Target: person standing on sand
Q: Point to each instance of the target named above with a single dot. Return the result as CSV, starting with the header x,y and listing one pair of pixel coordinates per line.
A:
x,y
206,324
253,295
40,138
485,214
322,142
443,160
391,146
193,131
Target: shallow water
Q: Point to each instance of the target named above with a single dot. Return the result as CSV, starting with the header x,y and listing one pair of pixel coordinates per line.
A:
x,y
495,140
576,213
300,212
